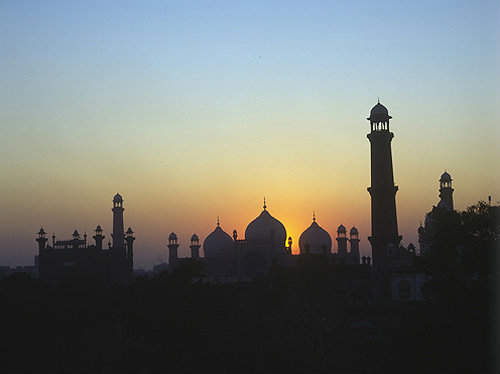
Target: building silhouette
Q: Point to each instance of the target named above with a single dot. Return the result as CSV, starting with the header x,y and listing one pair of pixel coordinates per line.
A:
x,y
265,243
231,259
77,258
445,203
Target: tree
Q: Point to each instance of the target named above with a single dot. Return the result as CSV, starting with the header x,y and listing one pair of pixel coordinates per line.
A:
x,y
463,265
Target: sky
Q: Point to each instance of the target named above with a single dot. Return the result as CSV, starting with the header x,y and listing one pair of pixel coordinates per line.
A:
x,y
197,109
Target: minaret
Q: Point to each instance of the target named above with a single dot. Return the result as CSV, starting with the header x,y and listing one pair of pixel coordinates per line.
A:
x,y
195,246
354,243
130,243
42,240
118,228
382,190
172,250
76,239
342,241
98,237
445,192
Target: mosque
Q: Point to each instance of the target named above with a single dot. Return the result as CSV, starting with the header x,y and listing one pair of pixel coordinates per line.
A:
x,y
230,258
265,242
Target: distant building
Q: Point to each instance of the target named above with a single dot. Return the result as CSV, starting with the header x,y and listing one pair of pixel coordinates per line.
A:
x,y
76,257
31,270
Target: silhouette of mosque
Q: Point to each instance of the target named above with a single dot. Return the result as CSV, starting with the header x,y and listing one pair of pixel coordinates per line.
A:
x,y
265,243
230,258
77,258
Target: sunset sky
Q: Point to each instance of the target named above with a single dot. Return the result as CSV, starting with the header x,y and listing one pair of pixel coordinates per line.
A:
x,y
198,109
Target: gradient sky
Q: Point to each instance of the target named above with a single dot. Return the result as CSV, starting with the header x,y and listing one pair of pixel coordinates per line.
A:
x,y
193,110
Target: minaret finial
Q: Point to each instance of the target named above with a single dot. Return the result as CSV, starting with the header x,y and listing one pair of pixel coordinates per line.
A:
x,y
218,223
265,203
314,216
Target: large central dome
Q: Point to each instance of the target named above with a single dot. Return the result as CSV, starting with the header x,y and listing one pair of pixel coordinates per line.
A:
x,y
264,228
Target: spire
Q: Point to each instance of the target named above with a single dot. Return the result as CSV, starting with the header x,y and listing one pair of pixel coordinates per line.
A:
x,y
314,216
265,203
378,100
218,223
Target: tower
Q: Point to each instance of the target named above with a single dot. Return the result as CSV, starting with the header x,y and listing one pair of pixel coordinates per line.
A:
x,y
98,237
195,246
342,241
130,243
382,190
130,253
42,240
354,243
172,250
445,192
118,228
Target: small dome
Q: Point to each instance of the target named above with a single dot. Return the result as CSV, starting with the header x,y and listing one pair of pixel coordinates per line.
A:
x,y
172,236
118,197
317,238
98,228
341,229
129,231
379,113
445,177
195,238
42,231
76,234
378,110
354,231
218,244
264,227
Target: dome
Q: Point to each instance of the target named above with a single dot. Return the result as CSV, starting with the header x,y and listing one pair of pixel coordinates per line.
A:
x,y
379,109
354,231
218,244
341,229
172,236
264,227
445,177
76,234
98,228
318,239
118,197
195,238
129,231
379,113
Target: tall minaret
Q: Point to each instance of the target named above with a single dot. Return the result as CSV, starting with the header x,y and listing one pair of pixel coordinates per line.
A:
x,y
118,229
445,191
382,190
